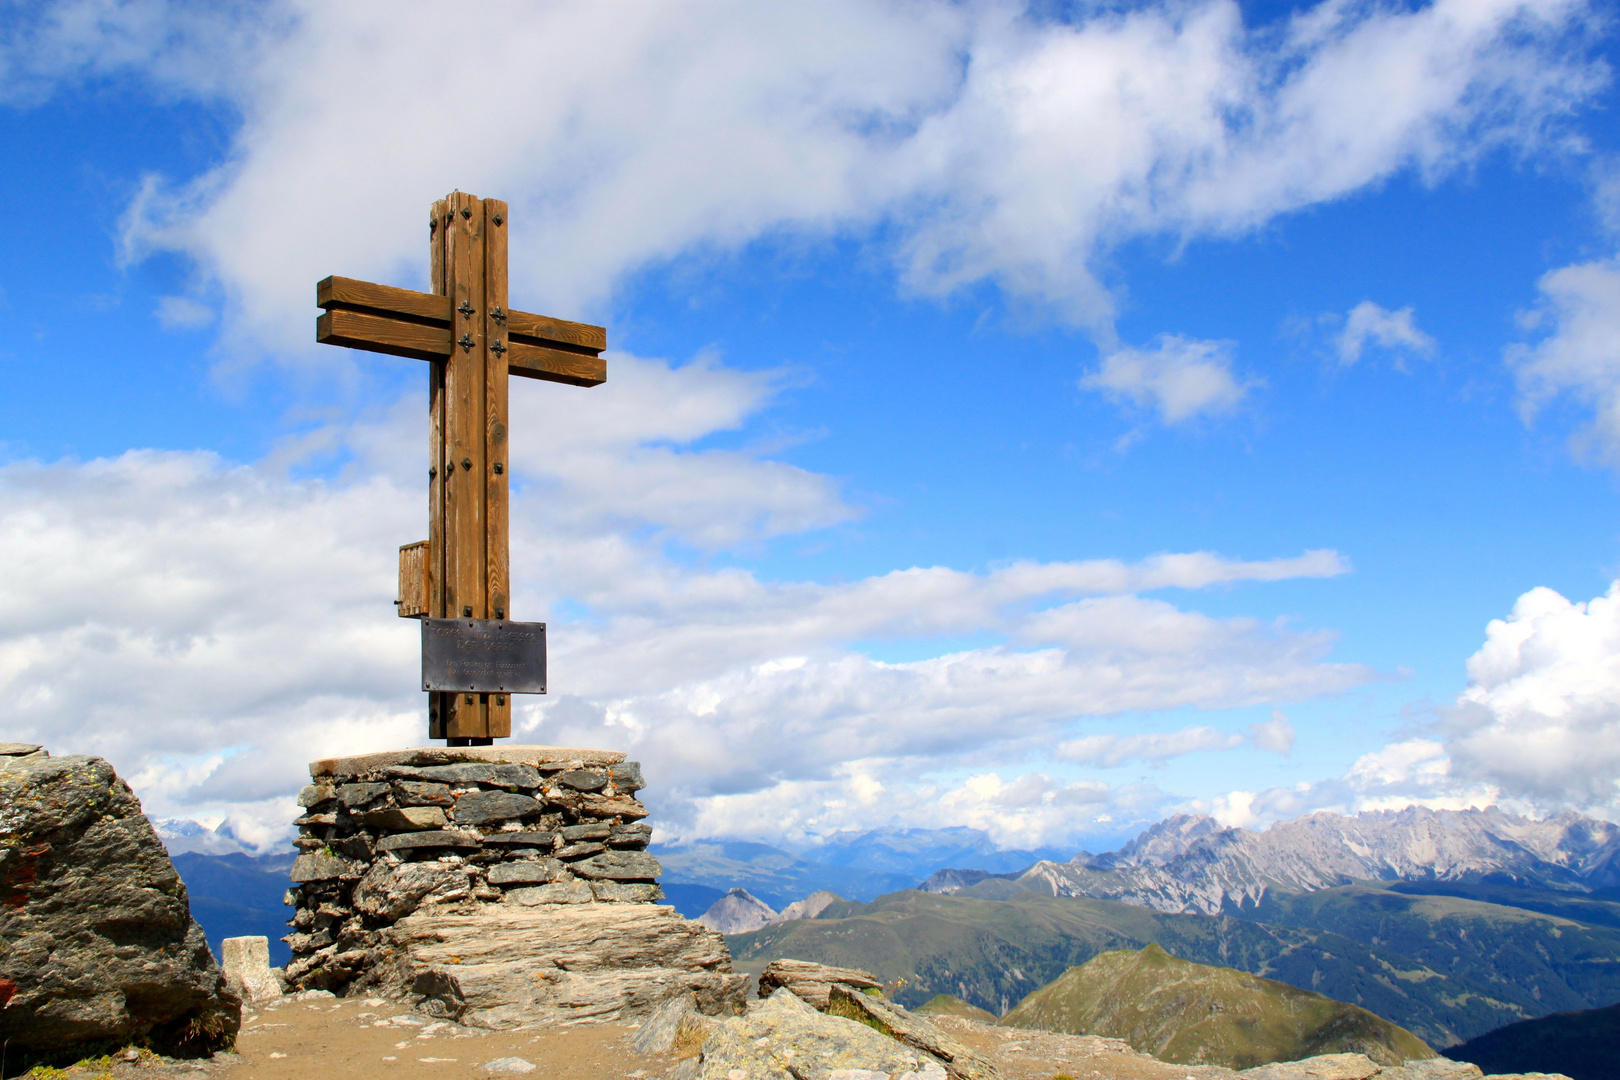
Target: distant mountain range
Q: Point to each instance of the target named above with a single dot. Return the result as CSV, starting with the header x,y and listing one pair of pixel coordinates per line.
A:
x,y
182,835
857,865
1190,863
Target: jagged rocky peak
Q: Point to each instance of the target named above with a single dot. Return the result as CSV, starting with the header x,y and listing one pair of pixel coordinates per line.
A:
x,y
1191,863
810,906
1160,844
738,912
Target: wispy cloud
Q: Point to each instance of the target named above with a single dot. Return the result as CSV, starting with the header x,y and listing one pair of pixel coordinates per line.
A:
x,y
1394,331
990,145
1579,356
1178,378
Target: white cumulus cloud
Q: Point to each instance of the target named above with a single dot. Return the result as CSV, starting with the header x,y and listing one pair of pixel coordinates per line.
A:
x,y
1179,378
1394,331
1580,355
1540,718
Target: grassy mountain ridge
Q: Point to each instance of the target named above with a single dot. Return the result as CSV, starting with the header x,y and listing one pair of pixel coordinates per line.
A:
x,y
1582,1045
1197,1014
992,952
1538,962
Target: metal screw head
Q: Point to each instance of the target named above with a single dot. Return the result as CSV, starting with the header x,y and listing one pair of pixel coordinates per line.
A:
x,y
497,348
432,472
497,219
499,468
466,463
466,308
466,342
466,612
499,314
465,213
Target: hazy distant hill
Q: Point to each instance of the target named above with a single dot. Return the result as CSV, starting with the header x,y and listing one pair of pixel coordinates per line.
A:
x,y
775,876
863,865
1191,863
1486,965
1197,1014
238,895
920,852
1581,1045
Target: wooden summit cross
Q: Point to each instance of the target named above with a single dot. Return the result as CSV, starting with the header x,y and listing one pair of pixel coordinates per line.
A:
x,y
472,343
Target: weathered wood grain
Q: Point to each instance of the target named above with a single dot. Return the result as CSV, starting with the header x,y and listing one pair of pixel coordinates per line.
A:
x,y
439,705
554,365
465,469
543,328
375,333
414,572
348,294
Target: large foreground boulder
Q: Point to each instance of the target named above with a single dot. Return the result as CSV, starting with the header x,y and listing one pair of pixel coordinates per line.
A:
x,y
785,1039
97,943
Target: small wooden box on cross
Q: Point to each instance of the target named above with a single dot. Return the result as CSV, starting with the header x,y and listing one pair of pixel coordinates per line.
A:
x,y
472,342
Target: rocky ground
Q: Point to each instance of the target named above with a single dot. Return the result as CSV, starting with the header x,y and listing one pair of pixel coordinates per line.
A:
x,y
350,1039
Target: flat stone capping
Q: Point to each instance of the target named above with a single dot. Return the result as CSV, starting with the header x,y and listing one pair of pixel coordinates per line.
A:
x,y
449,755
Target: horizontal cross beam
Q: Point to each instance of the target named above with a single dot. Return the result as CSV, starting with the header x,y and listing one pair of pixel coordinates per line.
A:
x,y
402,322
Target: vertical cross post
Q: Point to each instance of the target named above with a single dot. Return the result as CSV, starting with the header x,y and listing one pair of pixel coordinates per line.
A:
x,y
467,446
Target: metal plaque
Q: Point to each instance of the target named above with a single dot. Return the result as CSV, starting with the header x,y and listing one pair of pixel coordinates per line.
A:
x,y
491,656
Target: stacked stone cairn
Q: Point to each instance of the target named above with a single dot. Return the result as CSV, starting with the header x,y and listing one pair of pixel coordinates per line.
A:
x,y
494,885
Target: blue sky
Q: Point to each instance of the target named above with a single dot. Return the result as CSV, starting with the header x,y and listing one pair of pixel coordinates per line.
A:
x,y
939,332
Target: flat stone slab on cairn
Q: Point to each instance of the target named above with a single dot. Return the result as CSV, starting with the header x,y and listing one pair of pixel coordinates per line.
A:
x,y
495,885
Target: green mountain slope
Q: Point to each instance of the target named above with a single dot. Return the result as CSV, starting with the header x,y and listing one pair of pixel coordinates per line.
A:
x,y
946,1005
1535,962
1582,1045
1196,1014
991,953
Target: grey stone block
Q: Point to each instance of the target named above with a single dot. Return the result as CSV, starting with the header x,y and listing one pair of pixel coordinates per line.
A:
x,y
523,838
352,795
627,776
627,892
619,866
486,807
583,779
405,818
445,838
321,866
560,892
422,793
580,851
526,872
634,835
471,772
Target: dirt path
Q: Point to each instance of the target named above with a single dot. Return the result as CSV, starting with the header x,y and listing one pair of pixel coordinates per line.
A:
x,y
369,1039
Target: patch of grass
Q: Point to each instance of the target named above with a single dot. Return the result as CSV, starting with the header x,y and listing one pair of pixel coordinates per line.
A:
x,y
841,1006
